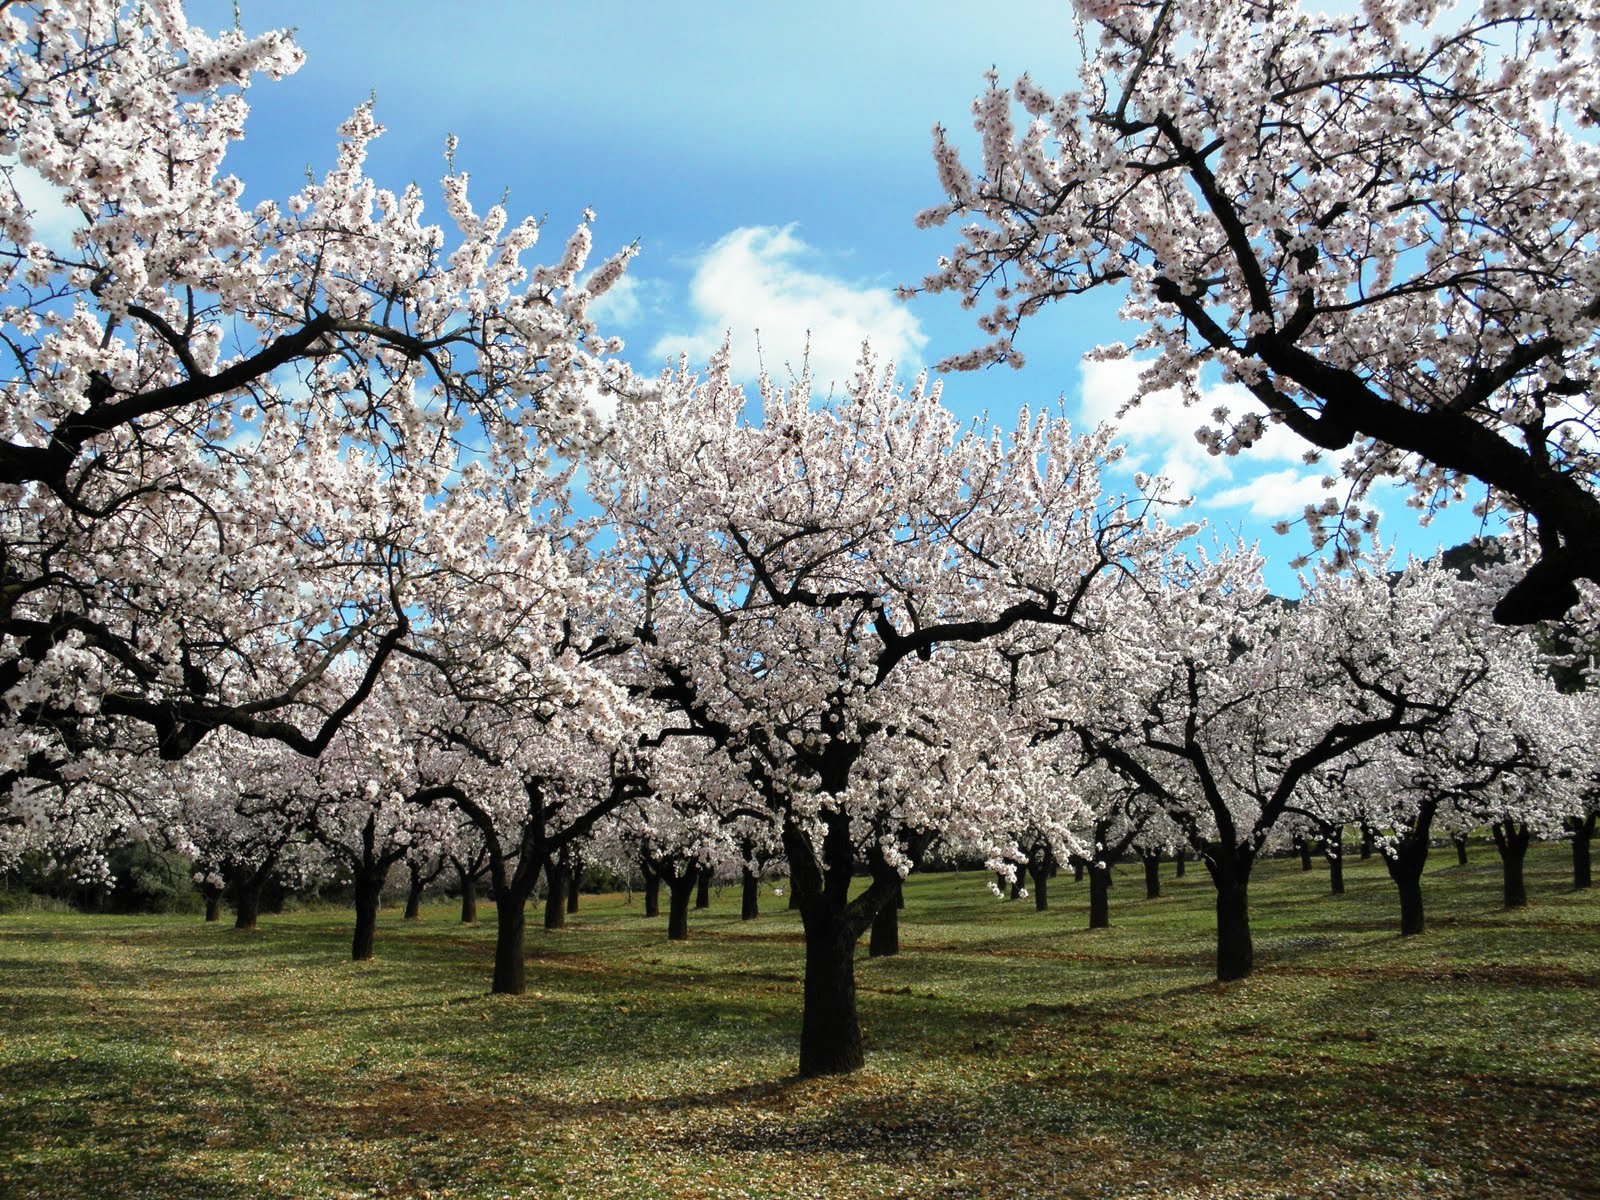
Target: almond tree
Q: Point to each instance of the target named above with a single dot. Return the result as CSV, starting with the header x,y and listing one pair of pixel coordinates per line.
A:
x,y
804,581
1382,224
1219,702
224,427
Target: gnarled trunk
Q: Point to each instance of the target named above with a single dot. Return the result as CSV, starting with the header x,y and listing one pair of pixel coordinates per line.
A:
x,y
1405,863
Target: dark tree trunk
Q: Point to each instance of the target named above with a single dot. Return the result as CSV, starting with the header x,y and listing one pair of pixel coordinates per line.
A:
x,y
749,896
900,897
213,899
794,896
702,891
469,899
1018,882
652,890
1099,889
1302,846
1460,840
1582,831
679,890
555,895
830,1030
414,898
510,971
1152,875
574,879
1235,952
247,903
1039,872
1333,849
1077,870
1368,833
884,941
1511,839
1405,865
1179,859
369,888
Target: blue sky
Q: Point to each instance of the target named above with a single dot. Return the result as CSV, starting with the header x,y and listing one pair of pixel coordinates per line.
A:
x,y
769,159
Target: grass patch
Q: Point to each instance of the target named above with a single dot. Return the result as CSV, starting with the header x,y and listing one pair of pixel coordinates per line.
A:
x,y
1009,1052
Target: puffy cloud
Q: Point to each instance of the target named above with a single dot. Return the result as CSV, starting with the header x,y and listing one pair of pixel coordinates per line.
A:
x,y
54,220
758,287
1159,433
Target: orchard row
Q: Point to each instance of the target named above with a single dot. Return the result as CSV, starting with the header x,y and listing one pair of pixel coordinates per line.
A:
x,y
333,539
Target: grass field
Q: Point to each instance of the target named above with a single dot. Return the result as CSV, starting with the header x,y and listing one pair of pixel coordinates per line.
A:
x,y
1010,1053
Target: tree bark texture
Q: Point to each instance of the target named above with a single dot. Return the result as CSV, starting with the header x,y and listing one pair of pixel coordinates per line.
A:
x,y
749,896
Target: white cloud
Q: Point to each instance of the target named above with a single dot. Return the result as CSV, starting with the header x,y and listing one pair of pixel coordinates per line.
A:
x,y
625,302
1274,494
1159,433
754,287
54,220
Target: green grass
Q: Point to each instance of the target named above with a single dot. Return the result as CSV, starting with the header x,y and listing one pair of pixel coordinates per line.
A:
x,y
1009,1053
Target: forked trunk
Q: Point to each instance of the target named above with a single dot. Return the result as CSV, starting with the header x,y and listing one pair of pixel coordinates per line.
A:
x,y
1405,865
1511,840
